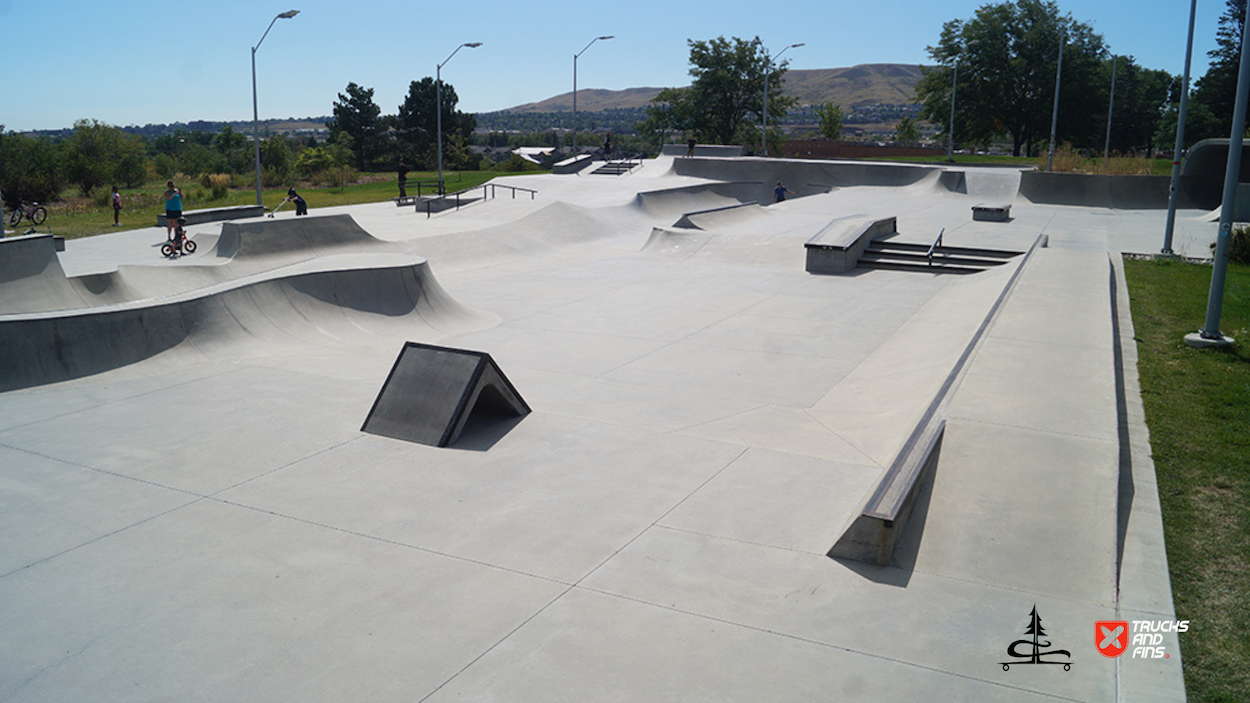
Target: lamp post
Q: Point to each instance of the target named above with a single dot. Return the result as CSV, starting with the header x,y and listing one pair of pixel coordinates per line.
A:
x,y
592,41
950,131
767,69
438,89
1180,135
1210,334
1054,113
255,113
1106,149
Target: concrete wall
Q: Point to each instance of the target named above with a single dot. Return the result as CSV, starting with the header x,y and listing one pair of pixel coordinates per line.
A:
x,y
1093,190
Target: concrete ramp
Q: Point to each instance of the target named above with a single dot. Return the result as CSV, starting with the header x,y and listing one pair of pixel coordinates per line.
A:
x,y
265,240
673,202
31,277
338,307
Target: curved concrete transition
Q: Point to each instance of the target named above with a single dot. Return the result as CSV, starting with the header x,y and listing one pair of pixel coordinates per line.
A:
x,y
191,505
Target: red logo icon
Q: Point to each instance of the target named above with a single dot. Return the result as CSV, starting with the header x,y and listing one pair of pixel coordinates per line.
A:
x,y
1111,637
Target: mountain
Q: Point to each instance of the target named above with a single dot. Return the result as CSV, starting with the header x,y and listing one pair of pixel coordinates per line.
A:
x,y
866,84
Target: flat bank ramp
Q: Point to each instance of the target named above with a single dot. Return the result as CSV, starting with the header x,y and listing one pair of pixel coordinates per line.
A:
x,y
358,302
264,242
31,277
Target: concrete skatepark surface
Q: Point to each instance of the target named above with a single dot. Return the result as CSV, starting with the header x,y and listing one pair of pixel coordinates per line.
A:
x,y
191,511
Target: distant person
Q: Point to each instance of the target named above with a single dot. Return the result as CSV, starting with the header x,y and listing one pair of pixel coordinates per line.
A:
x,y
301,207
117,206
173,208
690,147
779,193
607,148
403,179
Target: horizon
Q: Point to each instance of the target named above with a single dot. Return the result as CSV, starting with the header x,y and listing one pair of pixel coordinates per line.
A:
x,y
208,74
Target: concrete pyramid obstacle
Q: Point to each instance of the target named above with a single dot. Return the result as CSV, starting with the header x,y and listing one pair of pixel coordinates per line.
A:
x,y
432,392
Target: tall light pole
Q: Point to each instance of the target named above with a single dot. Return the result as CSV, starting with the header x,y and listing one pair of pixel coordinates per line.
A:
x,y
768,69
438,89
1180,135
950,129
1106,149
1054,113
255,113
1210,334
592,41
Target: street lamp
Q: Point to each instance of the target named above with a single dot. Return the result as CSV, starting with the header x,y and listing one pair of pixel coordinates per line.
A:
x,y
1054,113
1180,135
438,88
1106,148
950,129
592,41
255,113
767,68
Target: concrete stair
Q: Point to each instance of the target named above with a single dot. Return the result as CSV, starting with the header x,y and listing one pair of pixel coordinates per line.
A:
x,y
903,256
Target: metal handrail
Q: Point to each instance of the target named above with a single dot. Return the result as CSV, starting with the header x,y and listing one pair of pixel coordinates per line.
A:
x,y
936,243
486,188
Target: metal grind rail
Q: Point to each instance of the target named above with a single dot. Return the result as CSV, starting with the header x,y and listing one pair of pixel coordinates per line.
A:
x,y
488,193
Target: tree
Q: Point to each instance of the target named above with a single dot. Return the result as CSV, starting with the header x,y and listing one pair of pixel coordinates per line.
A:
x,y
93,153
234,150
668,112
1007,55
416,125
830,121
1141,97
358,116
727,90
907,132
30,169
1216,90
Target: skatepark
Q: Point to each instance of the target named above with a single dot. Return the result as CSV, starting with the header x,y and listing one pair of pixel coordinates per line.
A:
x,y
194,512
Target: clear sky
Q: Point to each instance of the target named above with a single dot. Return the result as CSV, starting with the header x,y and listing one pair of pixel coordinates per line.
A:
x,y
134,62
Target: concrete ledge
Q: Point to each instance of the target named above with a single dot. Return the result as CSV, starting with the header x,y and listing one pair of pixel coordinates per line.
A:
x,y
216,214
837,247
573,164
713,150
991,213
687,223
874,532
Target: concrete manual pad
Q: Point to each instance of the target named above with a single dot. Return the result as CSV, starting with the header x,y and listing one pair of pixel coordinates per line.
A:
x,y
206,520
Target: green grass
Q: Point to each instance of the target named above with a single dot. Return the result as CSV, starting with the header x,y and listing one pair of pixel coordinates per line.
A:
x,y
76,217
1198,410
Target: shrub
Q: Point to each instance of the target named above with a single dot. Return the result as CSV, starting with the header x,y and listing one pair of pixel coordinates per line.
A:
x,y
1238,245
218,183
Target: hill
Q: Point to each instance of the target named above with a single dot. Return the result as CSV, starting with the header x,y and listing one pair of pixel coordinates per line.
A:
x,y
866,84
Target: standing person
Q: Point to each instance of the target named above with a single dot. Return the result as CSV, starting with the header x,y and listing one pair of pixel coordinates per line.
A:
x,y
173,208
607,148
690,147
779,193
403,179
301,207
117,206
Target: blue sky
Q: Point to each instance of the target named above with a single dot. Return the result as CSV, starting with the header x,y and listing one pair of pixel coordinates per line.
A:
x,y
132,62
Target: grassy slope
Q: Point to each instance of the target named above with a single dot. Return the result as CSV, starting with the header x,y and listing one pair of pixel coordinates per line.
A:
x,y
82,217
1198,409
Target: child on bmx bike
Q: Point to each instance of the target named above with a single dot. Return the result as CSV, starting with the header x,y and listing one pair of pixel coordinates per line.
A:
x,y
179,245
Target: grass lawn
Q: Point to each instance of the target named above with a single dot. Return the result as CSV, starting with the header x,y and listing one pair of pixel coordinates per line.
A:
x,y
83,217
1198,410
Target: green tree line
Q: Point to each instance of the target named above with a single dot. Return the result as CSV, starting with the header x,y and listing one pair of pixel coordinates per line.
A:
x,y
1002,64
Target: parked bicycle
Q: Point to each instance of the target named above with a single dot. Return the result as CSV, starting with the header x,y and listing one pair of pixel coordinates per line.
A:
x,y
31,211
179,245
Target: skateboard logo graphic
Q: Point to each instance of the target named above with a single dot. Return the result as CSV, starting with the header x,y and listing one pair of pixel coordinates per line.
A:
x,y
1111,637
1032,650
